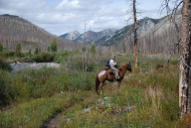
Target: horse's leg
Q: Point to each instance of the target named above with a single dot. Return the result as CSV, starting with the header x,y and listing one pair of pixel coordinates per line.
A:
x,y
101,87
119,84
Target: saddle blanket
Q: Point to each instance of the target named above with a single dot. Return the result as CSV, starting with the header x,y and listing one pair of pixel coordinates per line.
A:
x,y
101,73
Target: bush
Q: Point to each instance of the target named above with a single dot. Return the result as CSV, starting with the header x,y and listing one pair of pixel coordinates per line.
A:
x,y
73,81
1,47
48,81
7,53
53,46
4,65
62,56
6,91
18,50
34,83
43,57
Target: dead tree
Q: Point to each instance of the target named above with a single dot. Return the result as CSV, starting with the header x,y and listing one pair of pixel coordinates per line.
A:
x,y
185,57
135,27
185,60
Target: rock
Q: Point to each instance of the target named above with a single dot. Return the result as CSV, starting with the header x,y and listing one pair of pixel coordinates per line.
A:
x,y
86,110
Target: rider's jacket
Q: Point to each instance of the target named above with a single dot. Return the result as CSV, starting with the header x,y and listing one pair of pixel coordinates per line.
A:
x,y
112,63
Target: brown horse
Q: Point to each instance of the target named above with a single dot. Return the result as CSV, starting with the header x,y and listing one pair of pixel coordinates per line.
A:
x,y
108,74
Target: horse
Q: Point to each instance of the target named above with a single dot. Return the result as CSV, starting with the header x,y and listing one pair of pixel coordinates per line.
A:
x,y
108,74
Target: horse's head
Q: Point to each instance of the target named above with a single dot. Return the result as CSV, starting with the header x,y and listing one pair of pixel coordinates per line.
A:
x,y
129,67
126,67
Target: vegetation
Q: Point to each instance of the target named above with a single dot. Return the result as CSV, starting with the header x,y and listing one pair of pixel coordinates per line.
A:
x,y
18,50
42,57
4,65
34,113
6,90
1,47
148,97
53,45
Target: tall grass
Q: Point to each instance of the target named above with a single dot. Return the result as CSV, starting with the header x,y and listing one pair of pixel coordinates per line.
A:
x,y
6,89
152,91
34,113
45,82
4,65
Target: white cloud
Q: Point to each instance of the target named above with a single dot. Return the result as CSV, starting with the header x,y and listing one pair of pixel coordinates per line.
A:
x,y
69,4
68,15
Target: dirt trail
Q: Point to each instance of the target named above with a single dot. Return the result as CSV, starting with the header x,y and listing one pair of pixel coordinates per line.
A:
x,y
55,119
52,123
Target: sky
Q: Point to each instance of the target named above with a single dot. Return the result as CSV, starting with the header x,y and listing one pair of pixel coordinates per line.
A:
x,y
61,16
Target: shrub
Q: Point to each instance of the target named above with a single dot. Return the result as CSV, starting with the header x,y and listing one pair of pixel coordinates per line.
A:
x,y
4,65
48,81
6,91
1,47
29,52
34,82
62,56
18,50
53,45
36,51
7,53
43,57
73,81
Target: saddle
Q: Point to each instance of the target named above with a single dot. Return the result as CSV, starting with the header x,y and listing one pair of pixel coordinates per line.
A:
x,y
109,70
106,68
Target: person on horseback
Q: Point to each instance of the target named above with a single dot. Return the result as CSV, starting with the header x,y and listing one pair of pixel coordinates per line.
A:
x,y
113,65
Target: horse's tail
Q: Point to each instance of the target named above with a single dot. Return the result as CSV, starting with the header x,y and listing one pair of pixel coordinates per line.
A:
x,y
97,85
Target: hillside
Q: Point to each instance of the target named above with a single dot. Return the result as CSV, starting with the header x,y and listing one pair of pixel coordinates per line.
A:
x,y
155,36
145,25
14,29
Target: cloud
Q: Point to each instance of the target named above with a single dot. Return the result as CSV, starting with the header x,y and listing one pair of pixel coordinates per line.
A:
x,y
69,4
60,16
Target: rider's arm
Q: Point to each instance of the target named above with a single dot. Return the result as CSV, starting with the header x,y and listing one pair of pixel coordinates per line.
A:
x,y
112,63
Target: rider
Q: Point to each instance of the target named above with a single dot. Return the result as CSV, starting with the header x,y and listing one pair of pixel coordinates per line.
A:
x,y
113,66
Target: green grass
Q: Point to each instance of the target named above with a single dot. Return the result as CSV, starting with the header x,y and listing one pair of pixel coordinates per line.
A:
x,y
154,96
49,81
151,91
31,84
34,113
4,65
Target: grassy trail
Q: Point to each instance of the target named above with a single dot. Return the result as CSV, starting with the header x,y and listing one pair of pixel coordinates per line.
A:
x,y
144,100
33,114
147,98
53,122
57,121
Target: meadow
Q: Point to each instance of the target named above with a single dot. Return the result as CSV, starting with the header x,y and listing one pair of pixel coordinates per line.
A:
x,y
148,96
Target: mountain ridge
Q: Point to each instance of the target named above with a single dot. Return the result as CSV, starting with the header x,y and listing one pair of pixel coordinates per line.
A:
x,y
14,30
90,37
108,38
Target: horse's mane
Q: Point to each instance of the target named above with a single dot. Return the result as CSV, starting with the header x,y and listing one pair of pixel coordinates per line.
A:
x,y
124,65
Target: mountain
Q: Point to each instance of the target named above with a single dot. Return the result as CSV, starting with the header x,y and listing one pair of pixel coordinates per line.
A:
x,y
154,36
90,36
145,25
14,30
71,36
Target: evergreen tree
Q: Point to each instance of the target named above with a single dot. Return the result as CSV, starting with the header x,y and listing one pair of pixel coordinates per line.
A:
x,y
18,50
1,47
53,45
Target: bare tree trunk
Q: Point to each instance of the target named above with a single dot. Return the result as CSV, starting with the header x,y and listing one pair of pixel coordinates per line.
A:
x,y
135,45
185,61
